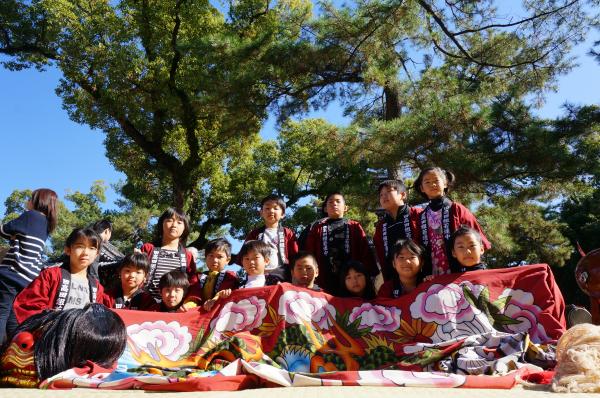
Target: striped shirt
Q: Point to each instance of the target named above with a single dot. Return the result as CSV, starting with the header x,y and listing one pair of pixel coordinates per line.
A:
x,y
27,236
168,260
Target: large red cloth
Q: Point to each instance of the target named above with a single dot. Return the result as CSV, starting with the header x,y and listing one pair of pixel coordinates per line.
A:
x,y
478,322
41,294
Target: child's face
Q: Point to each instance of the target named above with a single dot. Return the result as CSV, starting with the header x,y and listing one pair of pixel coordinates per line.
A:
x,y
254,263
433,185
131,277
171,296
336,206
407,264
172,228
356,282
81,254
304,272
216,260
271,212
390,199
467,250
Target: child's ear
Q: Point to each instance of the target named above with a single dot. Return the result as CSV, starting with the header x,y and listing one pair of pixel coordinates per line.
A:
x,y
403,195
67,250
453,254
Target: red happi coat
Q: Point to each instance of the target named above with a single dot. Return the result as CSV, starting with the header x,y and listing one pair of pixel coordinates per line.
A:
x,y
359,251
290,242
386,264
190,270
42,292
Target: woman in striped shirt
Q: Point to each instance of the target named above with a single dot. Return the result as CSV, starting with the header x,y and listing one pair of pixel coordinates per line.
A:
x,y
22,263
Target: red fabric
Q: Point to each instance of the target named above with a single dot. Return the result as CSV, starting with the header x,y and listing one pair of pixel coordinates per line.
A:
x,y
230,281
414,213
41,294
214,383
359,250
148,249
291,244
385,291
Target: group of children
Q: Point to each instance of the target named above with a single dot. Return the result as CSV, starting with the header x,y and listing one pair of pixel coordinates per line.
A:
x,y
411,245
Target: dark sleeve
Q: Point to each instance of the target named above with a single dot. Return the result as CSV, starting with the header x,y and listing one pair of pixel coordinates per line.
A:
x,y
36,297
13,227
365,254
291,244
465,217
379,245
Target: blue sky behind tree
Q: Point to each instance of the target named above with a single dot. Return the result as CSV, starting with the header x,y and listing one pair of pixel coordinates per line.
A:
x,y
41,147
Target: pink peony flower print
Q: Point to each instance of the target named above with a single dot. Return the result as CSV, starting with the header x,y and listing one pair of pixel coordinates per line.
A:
x,y
171,339
521,308
380,318
246,314
300,307
443,304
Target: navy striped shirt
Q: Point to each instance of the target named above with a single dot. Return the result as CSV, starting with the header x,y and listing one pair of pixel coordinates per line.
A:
x,y
27,236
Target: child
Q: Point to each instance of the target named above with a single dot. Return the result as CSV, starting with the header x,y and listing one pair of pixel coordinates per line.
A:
x,y
215,283
355,281
130,294
281,240
467,248
255,258
70,285
173,287
335,240
22,263
440,218
106,268
399,222
168,252
408,263
305,270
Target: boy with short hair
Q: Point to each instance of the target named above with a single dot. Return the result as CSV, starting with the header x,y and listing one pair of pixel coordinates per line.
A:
x,y
255,258
280,239
305,270
105,268
130,294
216,283
70,285
400,221
467,249
173,287
334,241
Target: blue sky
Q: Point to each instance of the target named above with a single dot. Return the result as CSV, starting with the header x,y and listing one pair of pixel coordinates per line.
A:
x,y
41,147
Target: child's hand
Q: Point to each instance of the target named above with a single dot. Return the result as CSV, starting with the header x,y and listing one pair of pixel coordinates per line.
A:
x,y
223,293
187,306
428,278
209,304
136,250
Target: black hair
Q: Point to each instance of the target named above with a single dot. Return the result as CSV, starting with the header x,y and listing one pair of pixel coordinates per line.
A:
x,y
360,268
100,226
219,244
84,233
70,338
445,174
137,260
392,184
257,245
177,214
329,195
175,278
462,231
415,249
273,198
303,254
